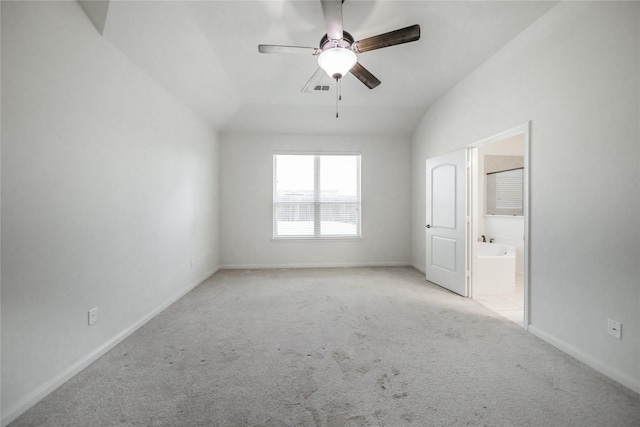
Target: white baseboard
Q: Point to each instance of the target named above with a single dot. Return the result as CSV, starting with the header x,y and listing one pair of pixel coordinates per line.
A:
x,y
313,265
45,389
614,374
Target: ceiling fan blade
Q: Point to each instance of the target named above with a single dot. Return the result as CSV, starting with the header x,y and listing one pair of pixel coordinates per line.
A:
x,y
332,11
392,38
364,76
297,50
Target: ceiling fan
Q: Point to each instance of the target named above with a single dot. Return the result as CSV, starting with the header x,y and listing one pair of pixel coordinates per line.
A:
x,y
337,54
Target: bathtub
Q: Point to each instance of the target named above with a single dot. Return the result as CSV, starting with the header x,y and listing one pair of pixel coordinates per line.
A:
x,y
494,270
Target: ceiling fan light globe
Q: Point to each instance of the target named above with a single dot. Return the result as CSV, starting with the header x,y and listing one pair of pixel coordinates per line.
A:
x,y
337,61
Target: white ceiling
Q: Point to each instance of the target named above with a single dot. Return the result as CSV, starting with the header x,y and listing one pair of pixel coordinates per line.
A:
x,y
205,53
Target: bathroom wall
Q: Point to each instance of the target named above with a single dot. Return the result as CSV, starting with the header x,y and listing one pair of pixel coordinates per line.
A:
x,y
504,229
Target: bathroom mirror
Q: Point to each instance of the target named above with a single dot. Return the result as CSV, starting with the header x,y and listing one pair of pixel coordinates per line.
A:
x,y
504,185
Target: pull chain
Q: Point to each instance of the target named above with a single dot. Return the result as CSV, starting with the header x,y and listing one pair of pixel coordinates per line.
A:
x,y
337,95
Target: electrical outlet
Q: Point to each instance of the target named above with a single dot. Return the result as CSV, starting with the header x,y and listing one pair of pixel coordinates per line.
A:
x,y
258,250
93,316
614,328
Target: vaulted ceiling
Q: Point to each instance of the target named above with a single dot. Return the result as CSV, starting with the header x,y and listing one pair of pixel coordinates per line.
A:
x,y
205,53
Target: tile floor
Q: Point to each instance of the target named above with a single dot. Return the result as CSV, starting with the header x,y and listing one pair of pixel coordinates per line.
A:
x,y
509,305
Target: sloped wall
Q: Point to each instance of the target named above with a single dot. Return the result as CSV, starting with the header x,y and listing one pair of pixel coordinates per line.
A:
x,y
109,192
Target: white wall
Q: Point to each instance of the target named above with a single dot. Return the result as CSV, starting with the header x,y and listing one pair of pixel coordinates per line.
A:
x,y
246,163
109,190
575,74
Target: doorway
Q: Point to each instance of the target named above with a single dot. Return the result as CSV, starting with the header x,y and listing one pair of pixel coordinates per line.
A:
x,y
498,231
477,222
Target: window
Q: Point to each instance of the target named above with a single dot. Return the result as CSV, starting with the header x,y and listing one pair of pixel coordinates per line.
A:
x,y
316,196
504,192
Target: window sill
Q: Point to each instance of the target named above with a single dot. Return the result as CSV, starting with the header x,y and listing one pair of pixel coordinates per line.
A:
x,y
318,239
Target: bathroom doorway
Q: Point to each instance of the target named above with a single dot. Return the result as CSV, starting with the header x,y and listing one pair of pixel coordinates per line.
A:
x,y
498,236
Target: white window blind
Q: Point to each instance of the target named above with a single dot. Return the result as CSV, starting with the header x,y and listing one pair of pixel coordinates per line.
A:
x,y
505,192
316,196
509,189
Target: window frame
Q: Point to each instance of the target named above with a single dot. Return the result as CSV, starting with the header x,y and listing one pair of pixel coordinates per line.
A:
x,y
317,202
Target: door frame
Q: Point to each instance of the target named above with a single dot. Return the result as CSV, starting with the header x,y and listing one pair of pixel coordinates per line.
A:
x,y
525,130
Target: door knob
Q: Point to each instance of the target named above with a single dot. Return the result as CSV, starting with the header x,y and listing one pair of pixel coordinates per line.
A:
x,y
428,226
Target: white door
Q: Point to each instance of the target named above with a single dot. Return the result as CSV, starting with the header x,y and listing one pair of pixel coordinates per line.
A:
x,y
446,221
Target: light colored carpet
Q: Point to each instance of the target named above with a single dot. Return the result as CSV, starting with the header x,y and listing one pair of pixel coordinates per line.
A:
x,y
333,347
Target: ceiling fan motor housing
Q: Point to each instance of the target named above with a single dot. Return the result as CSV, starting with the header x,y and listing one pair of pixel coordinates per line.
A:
x,y
346,41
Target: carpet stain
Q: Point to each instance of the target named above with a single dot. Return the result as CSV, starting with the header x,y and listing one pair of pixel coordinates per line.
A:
x,y
407,417
343,360
239,419
271,423
303,382
452,333
379,415
363,369
315,415
338,413
390,383
358,420
399,395
383,381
